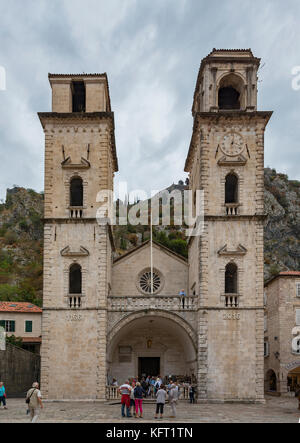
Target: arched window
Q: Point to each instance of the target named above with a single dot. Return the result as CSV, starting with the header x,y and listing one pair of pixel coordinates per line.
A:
x,y
231,189
231,279
231,92
271,381
78,96
229,98
75,279
76,192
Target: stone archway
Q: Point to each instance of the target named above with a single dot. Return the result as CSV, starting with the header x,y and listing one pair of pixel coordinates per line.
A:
x,y
271,381
156,335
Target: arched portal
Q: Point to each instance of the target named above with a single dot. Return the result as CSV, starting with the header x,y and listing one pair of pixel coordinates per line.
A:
x,y
151,344
271,381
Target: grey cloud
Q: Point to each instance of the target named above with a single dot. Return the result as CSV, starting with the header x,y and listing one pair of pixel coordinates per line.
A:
x,y
152,52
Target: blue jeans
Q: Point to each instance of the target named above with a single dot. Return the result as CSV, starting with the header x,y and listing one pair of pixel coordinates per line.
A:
x,y
3,400
123,411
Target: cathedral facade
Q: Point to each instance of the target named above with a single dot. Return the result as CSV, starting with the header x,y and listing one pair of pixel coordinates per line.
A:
x,y
100,317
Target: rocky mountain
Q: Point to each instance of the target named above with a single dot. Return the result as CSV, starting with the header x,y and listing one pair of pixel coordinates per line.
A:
x,y
21,246
282,230
21,236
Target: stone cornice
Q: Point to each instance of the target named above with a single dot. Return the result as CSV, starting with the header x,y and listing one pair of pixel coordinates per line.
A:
x,y
260,217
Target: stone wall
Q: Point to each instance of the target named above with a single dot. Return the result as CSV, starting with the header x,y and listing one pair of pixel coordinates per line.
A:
x,y
282,302
18,370
172,269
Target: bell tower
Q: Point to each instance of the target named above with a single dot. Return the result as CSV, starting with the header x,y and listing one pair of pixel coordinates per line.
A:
x,y
80,161
226,161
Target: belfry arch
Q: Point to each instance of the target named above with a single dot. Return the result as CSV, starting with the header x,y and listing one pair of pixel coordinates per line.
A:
x,y
231,92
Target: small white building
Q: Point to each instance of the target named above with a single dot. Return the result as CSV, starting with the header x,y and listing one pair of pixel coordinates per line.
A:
x,y
23,320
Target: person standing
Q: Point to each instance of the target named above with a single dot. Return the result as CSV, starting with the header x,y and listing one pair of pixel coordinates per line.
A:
x,y
138,397
161,398
2,395
125,391
34,400
173,399
192,394
132,399
183,297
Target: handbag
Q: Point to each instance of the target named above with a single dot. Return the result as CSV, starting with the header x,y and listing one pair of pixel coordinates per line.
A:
x,y
28,398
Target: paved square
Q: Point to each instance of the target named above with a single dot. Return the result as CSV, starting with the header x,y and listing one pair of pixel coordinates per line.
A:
x,y
276,410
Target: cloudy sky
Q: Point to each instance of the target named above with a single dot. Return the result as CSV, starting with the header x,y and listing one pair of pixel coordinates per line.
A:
x,y
151,51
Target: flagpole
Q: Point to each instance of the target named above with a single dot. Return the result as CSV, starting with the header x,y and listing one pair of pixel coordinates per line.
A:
x,y
151,251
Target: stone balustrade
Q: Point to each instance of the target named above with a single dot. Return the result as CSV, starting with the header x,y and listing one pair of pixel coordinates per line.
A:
x,y
113,394
166,303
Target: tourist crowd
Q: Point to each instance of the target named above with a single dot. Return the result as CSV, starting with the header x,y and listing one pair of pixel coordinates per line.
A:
x,y
133,393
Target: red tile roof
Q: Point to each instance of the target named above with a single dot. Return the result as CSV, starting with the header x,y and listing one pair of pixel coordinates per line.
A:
x,y
31,340
19,307
283,274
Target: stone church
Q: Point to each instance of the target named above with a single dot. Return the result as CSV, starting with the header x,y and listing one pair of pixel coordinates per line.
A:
x,y
100,316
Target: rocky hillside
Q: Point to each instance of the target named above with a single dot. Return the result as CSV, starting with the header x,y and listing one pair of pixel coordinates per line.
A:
x,y
21,246
282,231
21,236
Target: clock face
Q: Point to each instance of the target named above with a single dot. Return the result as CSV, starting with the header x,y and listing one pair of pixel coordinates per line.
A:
x,y
232,144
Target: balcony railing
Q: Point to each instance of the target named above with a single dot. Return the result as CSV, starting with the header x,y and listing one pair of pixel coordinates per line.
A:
x,y
166,303
75,301
232,208
231,300
76,211
112,394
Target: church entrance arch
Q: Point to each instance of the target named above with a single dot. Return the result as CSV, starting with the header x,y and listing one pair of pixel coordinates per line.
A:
x,y
158,343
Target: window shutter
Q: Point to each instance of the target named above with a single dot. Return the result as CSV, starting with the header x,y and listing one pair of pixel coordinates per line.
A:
x,y
28,326
266,349
265,299
12,326
2,324
297,317
298,289
266,323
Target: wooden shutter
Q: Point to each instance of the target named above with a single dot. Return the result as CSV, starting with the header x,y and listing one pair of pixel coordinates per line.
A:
x,y
2,324
28,326
298,289
12,326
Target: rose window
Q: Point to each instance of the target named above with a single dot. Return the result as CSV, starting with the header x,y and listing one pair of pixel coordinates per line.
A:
x,y
145,282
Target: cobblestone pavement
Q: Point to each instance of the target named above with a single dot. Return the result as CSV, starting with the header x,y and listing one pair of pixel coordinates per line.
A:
x,y
276,410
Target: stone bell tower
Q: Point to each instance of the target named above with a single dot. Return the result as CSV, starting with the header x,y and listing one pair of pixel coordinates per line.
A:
x,y
226,161
80,161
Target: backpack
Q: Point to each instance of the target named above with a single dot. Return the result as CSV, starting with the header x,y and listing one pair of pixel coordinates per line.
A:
x,y
29,398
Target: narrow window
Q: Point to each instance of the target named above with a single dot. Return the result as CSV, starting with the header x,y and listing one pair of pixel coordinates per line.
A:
x,y
231,279
76,192
298,289
78,92
28,326
231,189
297,317
229,98
75,279
266,349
